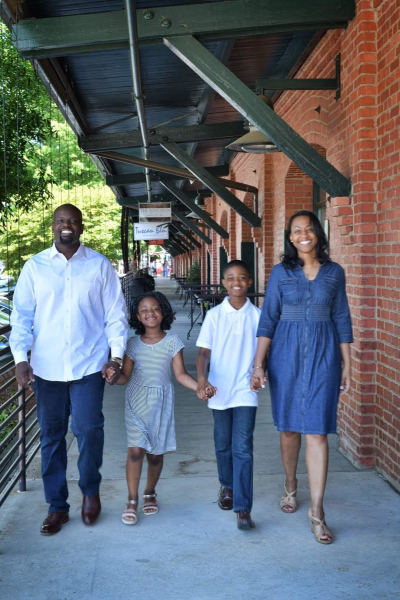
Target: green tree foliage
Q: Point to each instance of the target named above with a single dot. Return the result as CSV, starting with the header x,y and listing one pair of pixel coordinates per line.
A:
x,y
25,125
31,232
65,162
41,167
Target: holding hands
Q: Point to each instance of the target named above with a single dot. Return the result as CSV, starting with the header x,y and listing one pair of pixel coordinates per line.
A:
x,y
205,390
111,372
258,379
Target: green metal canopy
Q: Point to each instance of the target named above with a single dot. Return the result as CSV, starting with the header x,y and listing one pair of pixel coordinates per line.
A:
x,y
155,89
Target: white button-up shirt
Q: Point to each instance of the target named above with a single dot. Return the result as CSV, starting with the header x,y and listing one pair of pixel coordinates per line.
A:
x,y
230,334
69,313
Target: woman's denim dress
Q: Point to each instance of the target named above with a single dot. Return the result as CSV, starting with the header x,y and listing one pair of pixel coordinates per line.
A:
x,y
307,321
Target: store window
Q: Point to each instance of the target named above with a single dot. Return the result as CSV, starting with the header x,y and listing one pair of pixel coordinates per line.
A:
x,y
319,207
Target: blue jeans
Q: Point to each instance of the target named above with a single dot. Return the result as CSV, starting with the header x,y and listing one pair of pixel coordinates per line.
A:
x,y
56,401
233,438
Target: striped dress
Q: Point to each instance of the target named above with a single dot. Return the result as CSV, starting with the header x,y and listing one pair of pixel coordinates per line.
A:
x,y
149,396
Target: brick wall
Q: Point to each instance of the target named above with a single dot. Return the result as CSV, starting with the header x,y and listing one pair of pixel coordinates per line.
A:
x,y
387,225
359,135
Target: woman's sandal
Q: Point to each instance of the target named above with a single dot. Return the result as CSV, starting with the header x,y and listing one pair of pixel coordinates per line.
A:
x,y
129,516
150,508
288,501
320,529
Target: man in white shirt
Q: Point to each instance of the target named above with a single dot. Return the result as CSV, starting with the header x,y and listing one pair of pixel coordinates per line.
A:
x,y
70,312
227,341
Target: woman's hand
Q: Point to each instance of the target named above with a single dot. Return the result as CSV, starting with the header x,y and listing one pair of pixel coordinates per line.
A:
x,y
346,367
346,380
258,379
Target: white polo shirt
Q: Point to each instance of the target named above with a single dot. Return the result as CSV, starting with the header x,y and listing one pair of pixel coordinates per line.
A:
x,y
230,334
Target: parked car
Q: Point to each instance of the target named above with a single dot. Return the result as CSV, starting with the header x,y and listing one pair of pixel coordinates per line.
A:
x,y
5,352
5,310
6,283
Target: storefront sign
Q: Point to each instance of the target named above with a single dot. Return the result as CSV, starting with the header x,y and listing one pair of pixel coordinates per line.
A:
x,y
150,231
150,212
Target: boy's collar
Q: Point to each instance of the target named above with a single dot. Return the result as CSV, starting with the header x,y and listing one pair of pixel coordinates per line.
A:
x,y
229,308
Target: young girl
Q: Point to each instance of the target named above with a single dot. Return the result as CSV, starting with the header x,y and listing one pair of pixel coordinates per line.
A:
x,y
149,397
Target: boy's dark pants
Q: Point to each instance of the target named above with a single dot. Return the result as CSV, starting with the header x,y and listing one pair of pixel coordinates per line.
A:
x,y
233,438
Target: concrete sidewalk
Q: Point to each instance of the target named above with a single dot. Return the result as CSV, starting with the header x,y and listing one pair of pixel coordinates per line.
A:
x,y
192,549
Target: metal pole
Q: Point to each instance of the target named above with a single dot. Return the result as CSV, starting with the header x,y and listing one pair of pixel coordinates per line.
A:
x,y
22,441
137,84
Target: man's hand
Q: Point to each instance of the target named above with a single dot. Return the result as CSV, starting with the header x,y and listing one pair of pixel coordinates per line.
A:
x,y
111,372
24,374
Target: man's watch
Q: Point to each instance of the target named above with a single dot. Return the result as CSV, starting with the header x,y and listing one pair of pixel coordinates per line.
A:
x,y
117,360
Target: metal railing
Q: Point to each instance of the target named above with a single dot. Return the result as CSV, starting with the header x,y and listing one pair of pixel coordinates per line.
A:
x,y
19,428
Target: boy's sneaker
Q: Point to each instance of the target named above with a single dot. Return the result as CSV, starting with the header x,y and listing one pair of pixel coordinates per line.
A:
x,y
225,498
244,520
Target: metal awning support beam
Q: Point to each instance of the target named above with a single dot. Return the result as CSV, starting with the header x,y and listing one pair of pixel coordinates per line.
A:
x,y
181,235
187,201
72,34
230,87
178,240
186,233
133,201
163,168
191,225
263,85
212,183
157,136
178,248
178,245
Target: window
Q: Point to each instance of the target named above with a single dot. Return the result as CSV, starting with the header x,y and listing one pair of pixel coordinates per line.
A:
x,y
319,207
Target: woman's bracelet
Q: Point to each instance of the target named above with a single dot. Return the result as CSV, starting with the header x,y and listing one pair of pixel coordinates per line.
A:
x,y
258,367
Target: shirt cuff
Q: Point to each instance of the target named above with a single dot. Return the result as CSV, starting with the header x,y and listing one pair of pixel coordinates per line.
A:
x,y
117,351
20,356
267,332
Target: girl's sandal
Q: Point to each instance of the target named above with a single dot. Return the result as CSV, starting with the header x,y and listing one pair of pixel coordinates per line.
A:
x,y
288,501
150,506
129,516
320,529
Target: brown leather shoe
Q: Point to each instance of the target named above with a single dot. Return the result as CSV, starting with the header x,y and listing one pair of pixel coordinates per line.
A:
x,y
91,508
53,523
225,498
244,520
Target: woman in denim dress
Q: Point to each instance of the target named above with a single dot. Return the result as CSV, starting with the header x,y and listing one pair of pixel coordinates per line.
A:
x,y
305,328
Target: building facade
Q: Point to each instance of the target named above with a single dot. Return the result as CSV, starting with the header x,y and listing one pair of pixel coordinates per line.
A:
x,y
359,134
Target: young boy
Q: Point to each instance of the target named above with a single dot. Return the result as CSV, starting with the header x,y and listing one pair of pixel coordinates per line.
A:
x,y
228,342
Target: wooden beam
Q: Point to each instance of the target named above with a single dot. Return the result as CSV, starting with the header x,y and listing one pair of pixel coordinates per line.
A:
x,y
204,215
163,168
157,136
216,185
191,225
72,34
230,87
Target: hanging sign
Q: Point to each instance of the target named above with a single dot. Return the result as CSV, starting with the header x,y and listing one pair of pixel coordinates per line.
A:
x,y
153,212
150,231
